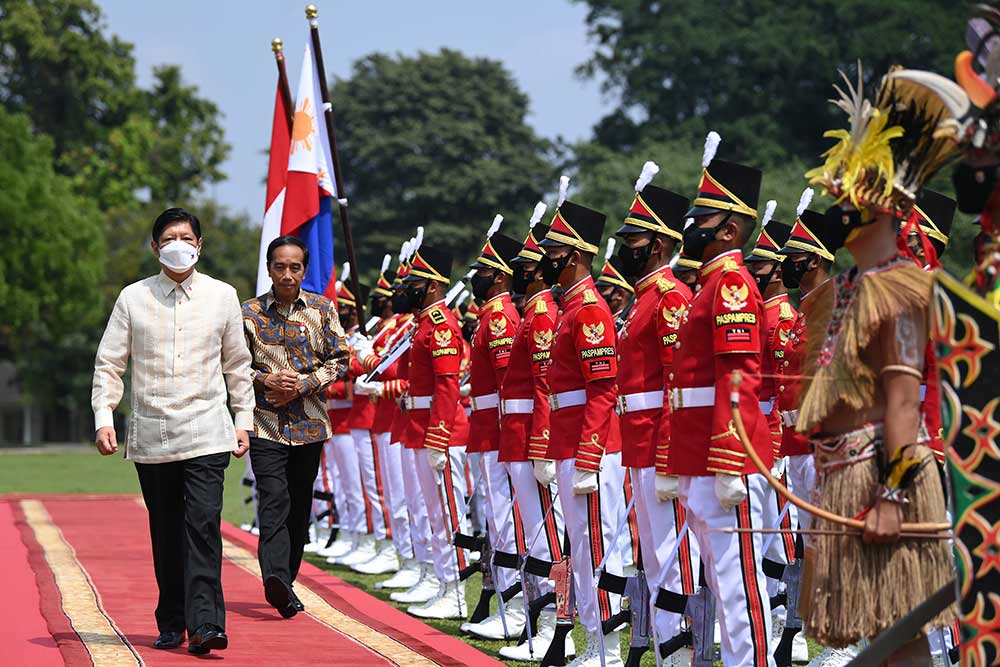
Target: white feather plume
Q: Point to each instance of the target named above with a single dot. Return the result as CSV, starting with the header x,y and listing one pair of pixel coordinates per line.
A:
x,y
712,142
804,201
410,248
337,285
563,189
345,270
420,239
611,249
403,250
536,215
649,170
688,222
494,226
385,263
768,212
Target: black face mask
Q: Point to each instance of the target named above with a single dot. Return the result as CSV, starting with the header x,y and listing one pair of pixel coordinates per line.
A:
x,y
764,279
481,285
973,186
521,279
399,303
553,267
843,222
634,260
468,330
345,320
792,272
696,239
415,297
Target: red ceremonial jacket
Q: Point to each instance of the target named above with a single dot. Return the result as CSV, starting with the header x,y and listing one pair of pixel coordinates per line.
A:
x,y
779,318
793,443
498,321
338,394
722,334
435,359
364,409
584,357
526,379
645,354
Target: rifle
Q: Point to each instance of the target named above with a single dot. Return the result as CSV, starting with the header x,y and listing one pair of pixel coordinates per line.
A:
x,y
482,545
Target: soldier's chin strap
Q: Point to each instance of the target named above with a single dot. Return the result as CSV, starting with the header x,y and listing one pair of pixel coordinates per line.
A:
x,y
854,524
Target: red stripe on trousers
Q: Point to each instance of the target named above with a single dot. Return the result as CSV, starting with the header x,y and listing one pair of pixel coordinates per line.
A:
x,y
597,548
378,486
750,589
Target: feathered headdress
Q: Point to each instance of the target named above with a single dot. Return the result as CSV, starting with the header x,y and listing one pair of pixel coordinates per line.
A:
x,y
890,149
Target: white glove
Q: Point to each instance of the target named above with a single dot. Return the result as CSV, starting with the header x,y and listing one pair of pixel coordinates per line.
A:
x,y
465,390
778,469
730,490
667,487
437,459
363,347
545,472
363,388
584,482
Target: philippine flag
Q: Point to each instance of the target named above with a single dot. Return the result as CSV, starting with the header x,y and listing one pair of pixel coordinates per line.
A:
x,y
309,189
277,173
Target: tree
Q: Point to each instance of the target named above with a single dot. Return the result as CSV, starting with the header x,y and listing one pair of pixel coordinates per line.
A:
x,y
51,263
758,71
438,140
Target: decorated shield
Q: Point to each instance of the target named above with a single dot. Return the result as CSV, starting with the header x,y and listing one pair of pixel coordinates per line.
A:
x,y
966,335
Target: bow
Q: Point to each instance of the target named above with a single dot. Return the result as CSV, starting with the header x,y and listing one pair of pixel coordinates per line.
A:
x,y
854,524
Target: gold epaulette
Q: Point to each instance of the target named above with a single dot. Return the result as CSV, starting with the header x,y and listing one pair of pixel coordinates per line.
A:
x,y
589,298
437,315
541,307
729,264
664,285
785,312
498,306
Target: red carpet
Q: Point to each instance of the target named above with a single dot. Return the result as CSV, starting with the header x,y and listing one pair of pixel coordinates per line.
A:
x,y
82,574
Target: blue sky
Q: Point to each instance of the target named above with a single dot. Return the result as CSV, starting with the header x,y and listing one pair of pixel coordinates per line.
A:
x,y
223,47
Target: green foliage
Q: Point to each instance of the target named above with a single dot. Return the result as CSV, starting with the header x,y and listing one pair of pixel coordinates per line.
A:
x,y
438,140
51,252
758,71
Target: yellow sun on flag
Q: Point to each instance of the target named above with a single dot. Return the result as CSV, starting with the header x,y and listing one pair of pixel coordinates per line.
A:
x,y
302,126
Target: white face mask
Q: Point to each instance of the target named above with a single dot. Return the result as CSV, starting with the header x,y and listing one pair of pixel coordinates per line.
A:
x,y
178,255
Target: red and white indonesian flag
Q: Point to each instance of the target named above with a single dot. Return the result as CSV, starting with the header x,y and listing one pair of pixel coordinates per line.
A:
x,y
277,172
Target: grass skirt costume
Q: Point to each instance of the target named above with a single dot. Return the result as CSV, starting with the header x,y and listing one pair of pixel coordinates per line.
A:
x,y
854,590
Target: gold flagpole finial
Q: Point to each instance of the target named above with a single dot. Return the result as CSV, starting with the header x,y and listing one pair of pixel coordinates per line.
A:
x,y
312,11
276,45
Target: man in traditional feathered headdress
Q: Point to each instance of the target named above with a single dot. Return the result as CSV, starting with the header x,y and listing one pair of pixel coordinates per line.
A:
x,y
867,330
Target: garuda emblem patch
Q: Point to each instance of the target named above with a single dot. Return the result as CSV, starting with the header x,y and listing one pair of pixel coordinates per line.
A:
x,y
734,297
442,337
594,333
543,339
498,327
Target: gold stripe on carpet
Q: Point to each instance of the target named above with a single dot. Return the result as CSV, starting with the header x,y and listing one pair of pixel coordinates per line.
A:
x,y
322,611
80,601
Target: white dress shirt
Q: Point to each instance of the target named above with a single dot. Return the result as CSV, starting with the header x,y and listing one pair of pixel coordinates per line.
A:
x,y
188,353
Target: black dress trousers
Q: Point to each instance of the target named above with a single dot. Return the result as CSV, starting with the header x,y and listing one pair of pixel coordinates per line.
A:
x,y
184,500
285,476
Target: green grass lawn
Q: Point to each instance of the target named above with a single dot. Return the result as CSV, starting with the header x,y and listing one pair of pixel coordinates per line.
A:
x,y
84,471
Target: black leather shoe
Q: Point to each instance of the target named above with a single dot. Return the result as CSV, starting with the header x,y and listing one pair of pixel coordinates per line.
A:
x,y
296,602
207,638
279,595
169,640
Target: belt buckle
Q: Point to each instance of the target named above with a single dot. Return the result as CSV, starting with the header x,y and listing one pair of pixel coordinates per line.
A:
x,y
622,404
472,402
553,402
676,402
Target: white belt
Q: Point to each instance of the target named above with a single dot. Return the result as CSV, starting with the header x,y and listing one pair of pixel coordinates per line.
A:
x,y
790,417
703,397
644,400
338,404
485,401
417,402
517,406
567,399
923,392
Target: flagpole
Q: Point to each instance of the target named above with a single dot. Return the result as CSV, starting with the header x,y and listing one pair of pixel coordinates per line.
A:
x,y
286,92
311,13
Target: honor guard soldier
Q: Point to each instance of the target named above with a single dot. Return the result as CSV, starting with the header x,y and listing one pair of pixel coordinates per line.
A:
x,y
524,427
686,270
717,483
649,234
613,287
585,442
498,322
434,423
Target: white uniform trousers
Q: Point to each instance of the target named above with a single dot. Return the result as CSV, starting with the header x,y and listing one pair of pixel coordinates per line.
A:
x,y
628,542
447,520
588,548
500,515
477,494
733,566
541,517
665,565
778,548
351,505
802,480
420,528
394,493
370,463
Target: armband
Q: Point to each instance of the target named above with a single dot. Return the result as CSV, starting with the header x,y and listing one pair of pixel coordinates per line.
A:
x,y
900,368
